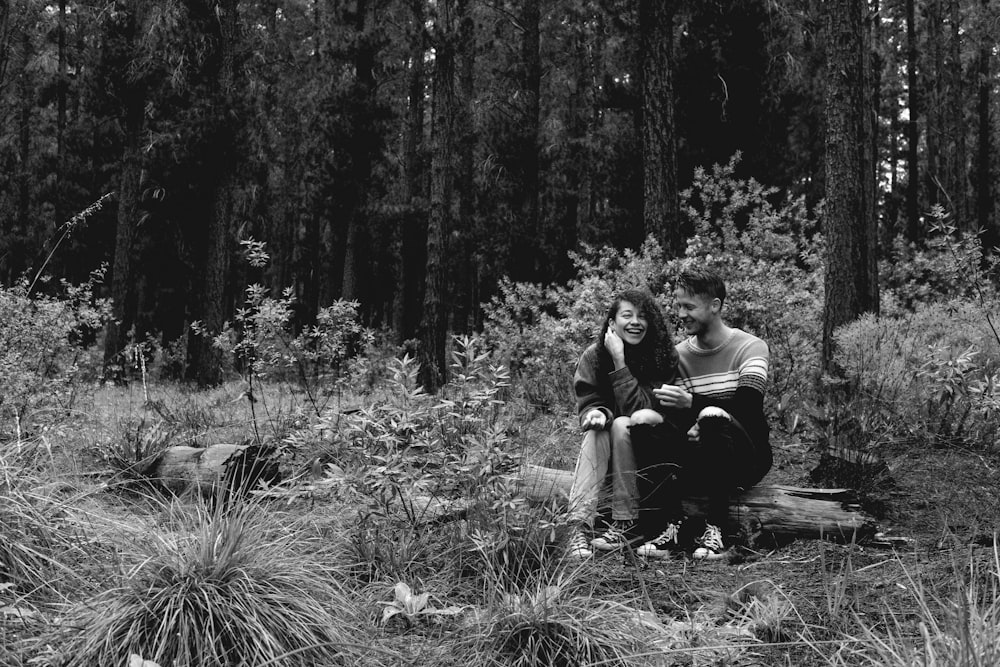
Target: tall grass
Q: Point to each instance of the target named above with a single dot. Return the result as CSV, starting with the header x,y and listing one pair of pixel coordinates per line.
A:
x,y
954,622
239,590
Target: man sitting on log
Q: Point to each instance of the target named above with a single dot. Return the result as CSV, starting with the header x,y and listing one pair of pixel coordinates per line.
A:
x,y
723,374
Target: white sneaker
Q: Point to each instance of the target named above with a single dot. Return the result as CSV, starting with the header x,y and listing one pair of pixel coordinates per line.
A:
x,y
578,546
663,544
710,544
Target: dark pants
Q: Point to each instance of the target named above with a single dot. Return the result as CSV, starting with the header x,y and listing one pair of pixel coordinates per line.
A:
x,y
670,466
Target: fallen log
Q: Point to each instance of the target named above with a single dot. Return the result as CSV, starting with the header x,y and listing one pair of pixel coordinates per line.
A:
x,y
775,510
204,470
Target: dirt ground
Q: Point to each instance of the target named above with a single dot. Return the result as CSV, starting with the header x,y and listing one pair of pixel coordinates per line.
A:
x,y
942,505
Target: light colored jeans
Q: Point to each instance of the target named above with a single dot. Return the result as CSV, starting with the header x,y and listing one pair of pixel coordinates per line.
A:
x,y
599,451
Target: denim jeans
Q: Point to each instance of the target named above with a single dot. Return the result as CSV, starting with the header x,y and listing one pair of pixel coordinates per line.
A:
x,y
603,451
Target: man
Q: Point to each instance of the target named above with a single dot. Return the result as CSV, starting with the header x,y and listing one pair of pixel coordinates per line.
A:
x,y
723,374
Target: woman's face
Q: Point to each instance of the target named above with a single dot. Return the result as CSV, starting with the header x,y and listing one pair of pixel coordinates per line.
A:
x,y
629,323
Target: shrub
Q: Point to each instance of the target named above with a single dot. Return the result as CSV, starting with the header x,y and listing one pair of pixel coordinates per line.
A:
x,y
540,332
238,592
40,351
929,374
769,254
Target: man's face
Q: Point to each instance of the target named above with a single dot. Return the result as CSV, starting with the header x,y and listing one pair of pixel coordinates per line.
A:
x,y
629,323
695,311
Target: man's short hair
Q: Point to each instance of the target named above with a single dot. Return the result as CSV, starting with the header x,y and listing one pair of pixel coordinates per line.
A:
x,y
703,282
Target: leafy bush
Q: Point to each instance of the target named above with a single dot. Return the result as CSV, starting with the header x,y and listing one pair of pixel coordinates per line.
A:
x,y
40,350
540,332
237,592
769,255
931,374
405,440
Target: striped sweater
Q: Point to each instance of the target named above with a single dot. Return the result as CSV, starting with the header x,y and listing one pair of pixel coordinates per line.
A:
x,y
732,376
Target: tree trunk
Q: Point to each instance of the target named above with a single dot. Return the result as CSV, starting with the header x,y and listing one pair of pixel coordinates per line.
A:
x,y
984,175
849,217
364,145
410,232
958,171
464,274
123,293
912,136
204,359
62,87
776,510
433,338
661,202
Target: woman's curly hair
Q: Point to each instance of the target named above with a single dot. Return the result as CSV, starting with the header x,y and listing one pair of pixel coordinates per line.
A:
x,y
655,358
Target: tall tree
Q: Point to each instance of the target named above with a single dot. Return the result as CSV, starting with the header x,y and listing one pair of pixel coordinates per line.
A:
x,y
364,145
433,337
209,306
984,172
411,228
661,200
849,215
126,26
912,131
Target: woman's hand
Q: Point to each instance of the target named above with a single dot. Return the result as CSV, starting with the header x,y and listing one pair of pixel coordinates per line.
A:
x,y
672,396
595,419
615,347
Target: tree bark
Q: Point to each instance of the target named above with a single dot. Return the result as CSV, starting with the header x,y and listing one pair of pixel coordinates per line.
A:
x,y
364,146
912,132
410,232
984,171
433,338
661,201
465,300
789,511
849,217
204,359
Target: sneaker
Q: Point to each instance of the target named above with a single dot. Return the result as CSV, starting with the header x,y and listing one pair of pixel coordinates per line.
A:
x,y
619,534
663,544
710,545
578,546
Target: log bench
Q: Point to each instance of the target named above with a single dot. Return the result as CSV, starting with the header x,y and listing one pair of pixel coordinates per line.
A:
x,y
778,511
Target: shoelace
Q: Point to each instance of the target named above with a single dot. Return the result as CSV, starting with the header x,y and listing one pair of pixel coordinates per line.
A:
x,y
614,533
669,534
712,538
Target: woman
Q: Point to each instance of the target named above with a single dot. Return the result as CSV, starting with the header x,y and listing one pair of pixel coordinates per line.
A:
x,y
614,383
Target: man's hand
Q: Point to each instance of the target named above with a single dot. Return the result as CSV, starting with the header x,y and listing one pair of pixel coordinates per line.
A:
x,y
672,396
615,347
595,419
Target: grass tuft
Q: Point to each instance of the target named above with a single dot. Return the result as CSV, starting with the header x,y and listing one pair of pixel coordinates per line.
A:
x,y
239,591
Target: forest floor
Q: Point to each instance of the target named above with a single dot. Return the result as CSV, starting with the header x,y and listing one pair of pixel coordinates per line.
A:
x,y
814,599
807,602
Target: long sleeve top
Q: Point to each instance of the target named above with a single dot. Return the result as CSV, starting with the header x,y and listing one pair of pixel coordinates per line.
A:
x,y
614,392
732,376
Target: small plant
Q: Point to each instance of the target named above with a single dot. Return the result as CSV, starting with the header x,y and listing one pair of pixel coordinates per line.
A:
x,y
553,623
414,608
263,342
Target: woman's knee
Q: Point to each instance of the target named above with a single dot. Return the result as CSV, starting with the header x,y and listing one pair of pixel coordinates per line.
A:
x,y
620,428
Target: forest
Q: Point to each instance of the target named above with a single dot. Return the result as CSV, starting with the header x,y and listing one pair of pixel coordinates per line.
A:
x,y
292,293
413,156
